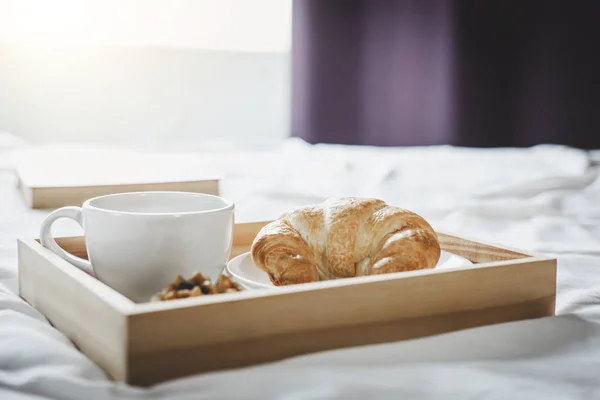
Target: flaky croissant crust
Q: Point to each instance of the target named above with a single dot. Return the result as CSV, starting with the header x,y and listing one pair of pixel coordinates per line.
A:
x,y
344,237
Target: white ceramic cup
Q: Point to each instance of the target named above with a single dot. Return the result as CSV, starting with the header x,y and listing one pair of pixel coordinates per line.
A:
x,y
138,242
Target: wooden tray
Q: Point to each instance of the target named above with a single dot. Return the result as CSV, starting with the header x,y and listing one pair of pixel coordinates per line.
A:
x,y
147,343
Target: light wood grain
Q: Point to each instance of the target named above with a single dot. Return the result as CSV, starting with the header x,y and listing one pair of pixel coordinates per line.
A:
x,y
243,236
477,251
244,233
335,304
148,343
88,312
54,197
234,354
74,245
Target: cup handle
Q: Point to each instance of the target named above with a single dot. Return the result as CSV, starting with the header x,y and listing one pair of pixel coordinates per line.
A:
x,y
49,242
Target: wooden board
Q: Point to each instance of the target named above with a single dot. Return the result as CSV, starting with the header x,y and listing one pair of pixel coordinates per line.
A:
x,y
148,343
60,196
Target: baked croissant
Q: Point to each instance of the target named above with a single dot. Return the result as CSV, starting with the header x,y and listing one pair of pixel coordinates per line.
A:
x,y
343,238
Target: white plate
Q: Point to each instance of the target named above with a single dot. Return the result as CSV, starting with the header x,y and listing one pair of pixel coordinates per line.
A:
x,y
242,269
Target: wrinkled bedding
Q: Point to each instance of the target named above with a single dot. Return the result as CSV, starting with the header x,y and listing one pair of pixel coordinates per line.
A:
x,y
544,199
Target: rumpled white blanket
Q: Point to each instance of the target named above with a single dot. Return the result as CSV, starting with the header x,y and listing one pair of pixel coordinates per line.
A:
x,y
544,199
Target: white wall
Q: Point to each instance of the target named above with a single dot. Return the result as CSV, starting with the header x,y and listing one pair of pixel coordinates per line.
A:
x,y
145,95
247,25
145,72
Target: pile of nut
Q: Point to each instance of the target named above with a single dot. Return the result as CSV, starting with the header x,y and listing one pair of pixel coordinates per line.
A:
x,y
196,285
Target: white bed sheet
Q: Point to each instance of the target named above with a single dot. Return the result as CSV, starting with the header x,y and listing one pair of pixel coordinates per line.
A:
x,y
544,199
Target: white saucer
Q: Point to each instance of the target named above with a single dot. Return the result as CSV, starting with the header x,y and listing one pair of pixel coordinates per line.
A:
x,y
242,269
